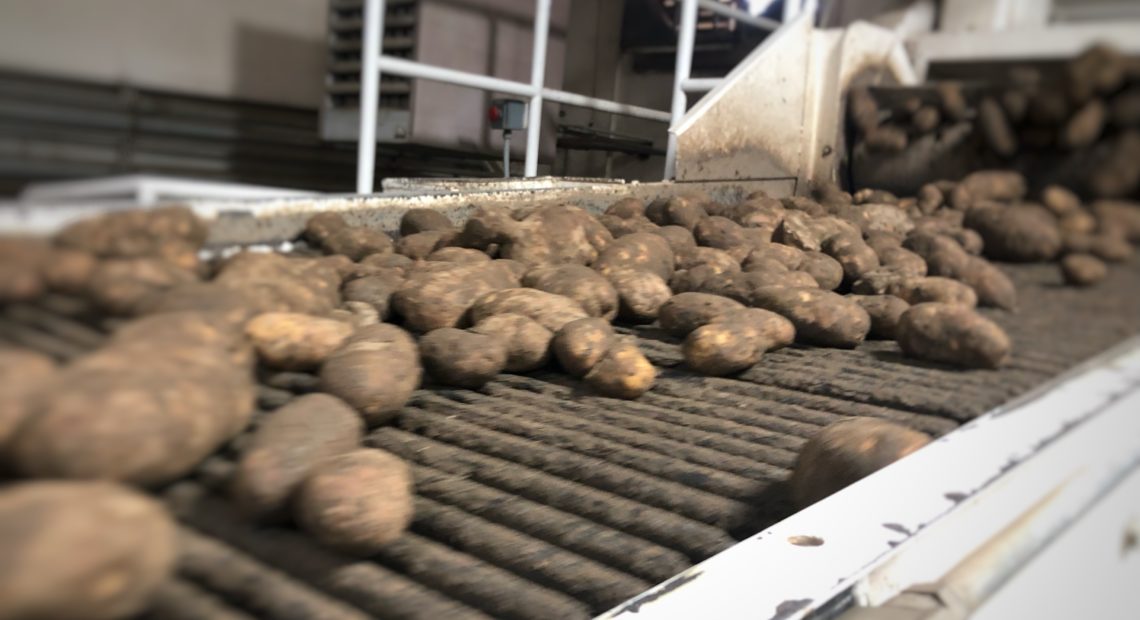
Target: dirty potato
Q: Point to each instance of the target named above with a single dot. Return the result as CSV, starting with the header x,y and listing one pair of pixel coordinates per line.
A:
x,y
847,451
122,286
685,312
547,309
584,285
581,344
423,220
1016,233
993,288
885,312
640,294
418,246
556,235
441,298
23,373
375,290
527,342
287,444
735,340
935,289
623,372
92,550
853,254
820,317
626,208
462,358
458,255
330,232
825,270
1083,269
292,341
487,225
680,239
358,501
640,251
375,371
952,334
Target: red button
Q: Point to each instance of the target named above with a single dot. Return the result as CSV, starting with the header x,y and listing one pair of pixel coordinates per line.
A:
x,y
494,113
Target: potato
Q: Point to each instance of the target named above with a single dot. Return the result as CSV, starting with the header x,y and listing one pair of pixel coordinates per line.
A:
x,y
825,270
863,109
830,195
1085,126
742,286
791,257
941,255
904,261
683,211
640,294
20,281
458,255
1117,175
719,232
358,501
993,288
388,261
1121,217
926,119
330,232
627,208
527,342
1059,200
952,334
847,451
375,371
358,314
188,332
820,317
1079,221
801,231
419,246
735,340
556,235
135,233
885,312
92,550
1083,269
935,289
692,280
581,344
291,341
1110,247
547,309
952,101
930,198
433,299
619,227
996,129
687,311
970,240
22,374
1019,233
623,372
487,225
718,261
877,218
882,241
870,195
640,251
376,291
423,220
584,285
462,358
283,284
68,271
122,286
984,185
679,238
886,139
856,257
288,444
758,212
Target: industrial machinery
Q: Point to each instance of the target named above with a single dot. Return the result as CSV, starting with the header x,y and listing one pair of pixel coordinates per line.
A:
x,y
536,500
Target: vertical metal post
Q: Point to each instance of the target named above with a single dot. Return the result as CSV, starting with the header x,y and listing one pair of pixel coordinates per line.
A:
x,y
791,10
686,35
537,82
506,153
369,93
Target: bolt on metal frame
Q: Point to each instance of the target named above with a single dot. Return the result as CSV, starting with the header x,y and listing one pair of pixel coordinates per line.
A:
x,y
373,62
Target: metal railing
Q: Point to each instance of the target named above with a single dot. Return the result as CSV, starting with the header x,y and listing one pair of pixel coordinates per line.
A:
x,y
373,62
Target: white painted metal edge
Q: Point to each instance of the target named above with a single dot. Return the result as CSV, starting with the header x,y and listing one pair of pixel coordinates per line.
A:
x,y
863,526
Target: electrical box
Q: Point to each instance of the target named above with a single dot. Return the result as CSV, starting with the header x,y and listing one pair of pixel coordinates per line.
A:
x,y
507,114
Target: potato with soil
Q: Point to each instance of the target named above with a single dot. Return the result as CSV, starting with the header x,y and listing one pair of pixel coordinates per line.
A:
x,y
988,185
853,254
719,232
91,550
847,451
626,208
291,341
23,373
288,444
683,211
993,288
639,251
904,261
441,298
487,225
376,291
622,372
1017,233
820,317
584,285
685,312
935,289
619,227
735,340
375,371
825,270
423,220
942,255
136,233
885,312
357,502
1120,217
462,358
640,294
952,334
122,286
1083,269
1060,200
330,232
680,239
283,284
419,246
742,286
790,257
557,235
547,309
458,255
718,261
68,271
527,342
581,344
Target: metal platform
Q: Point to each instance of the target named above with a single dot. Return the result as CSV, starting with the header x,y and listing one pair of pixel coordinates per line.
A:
x,y
536,499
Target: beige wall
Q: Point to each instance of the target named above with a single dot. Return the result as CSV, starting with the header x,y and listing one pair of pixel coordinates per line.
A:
x,y
219,48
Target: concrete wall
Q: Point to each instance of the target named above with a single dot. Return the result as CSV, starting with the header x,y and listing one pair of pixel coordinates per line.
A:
x,y
218,48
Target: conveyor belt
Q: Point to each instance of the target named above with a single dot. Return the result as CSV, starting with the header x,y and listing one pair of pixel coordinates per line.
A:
x,y
536,499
